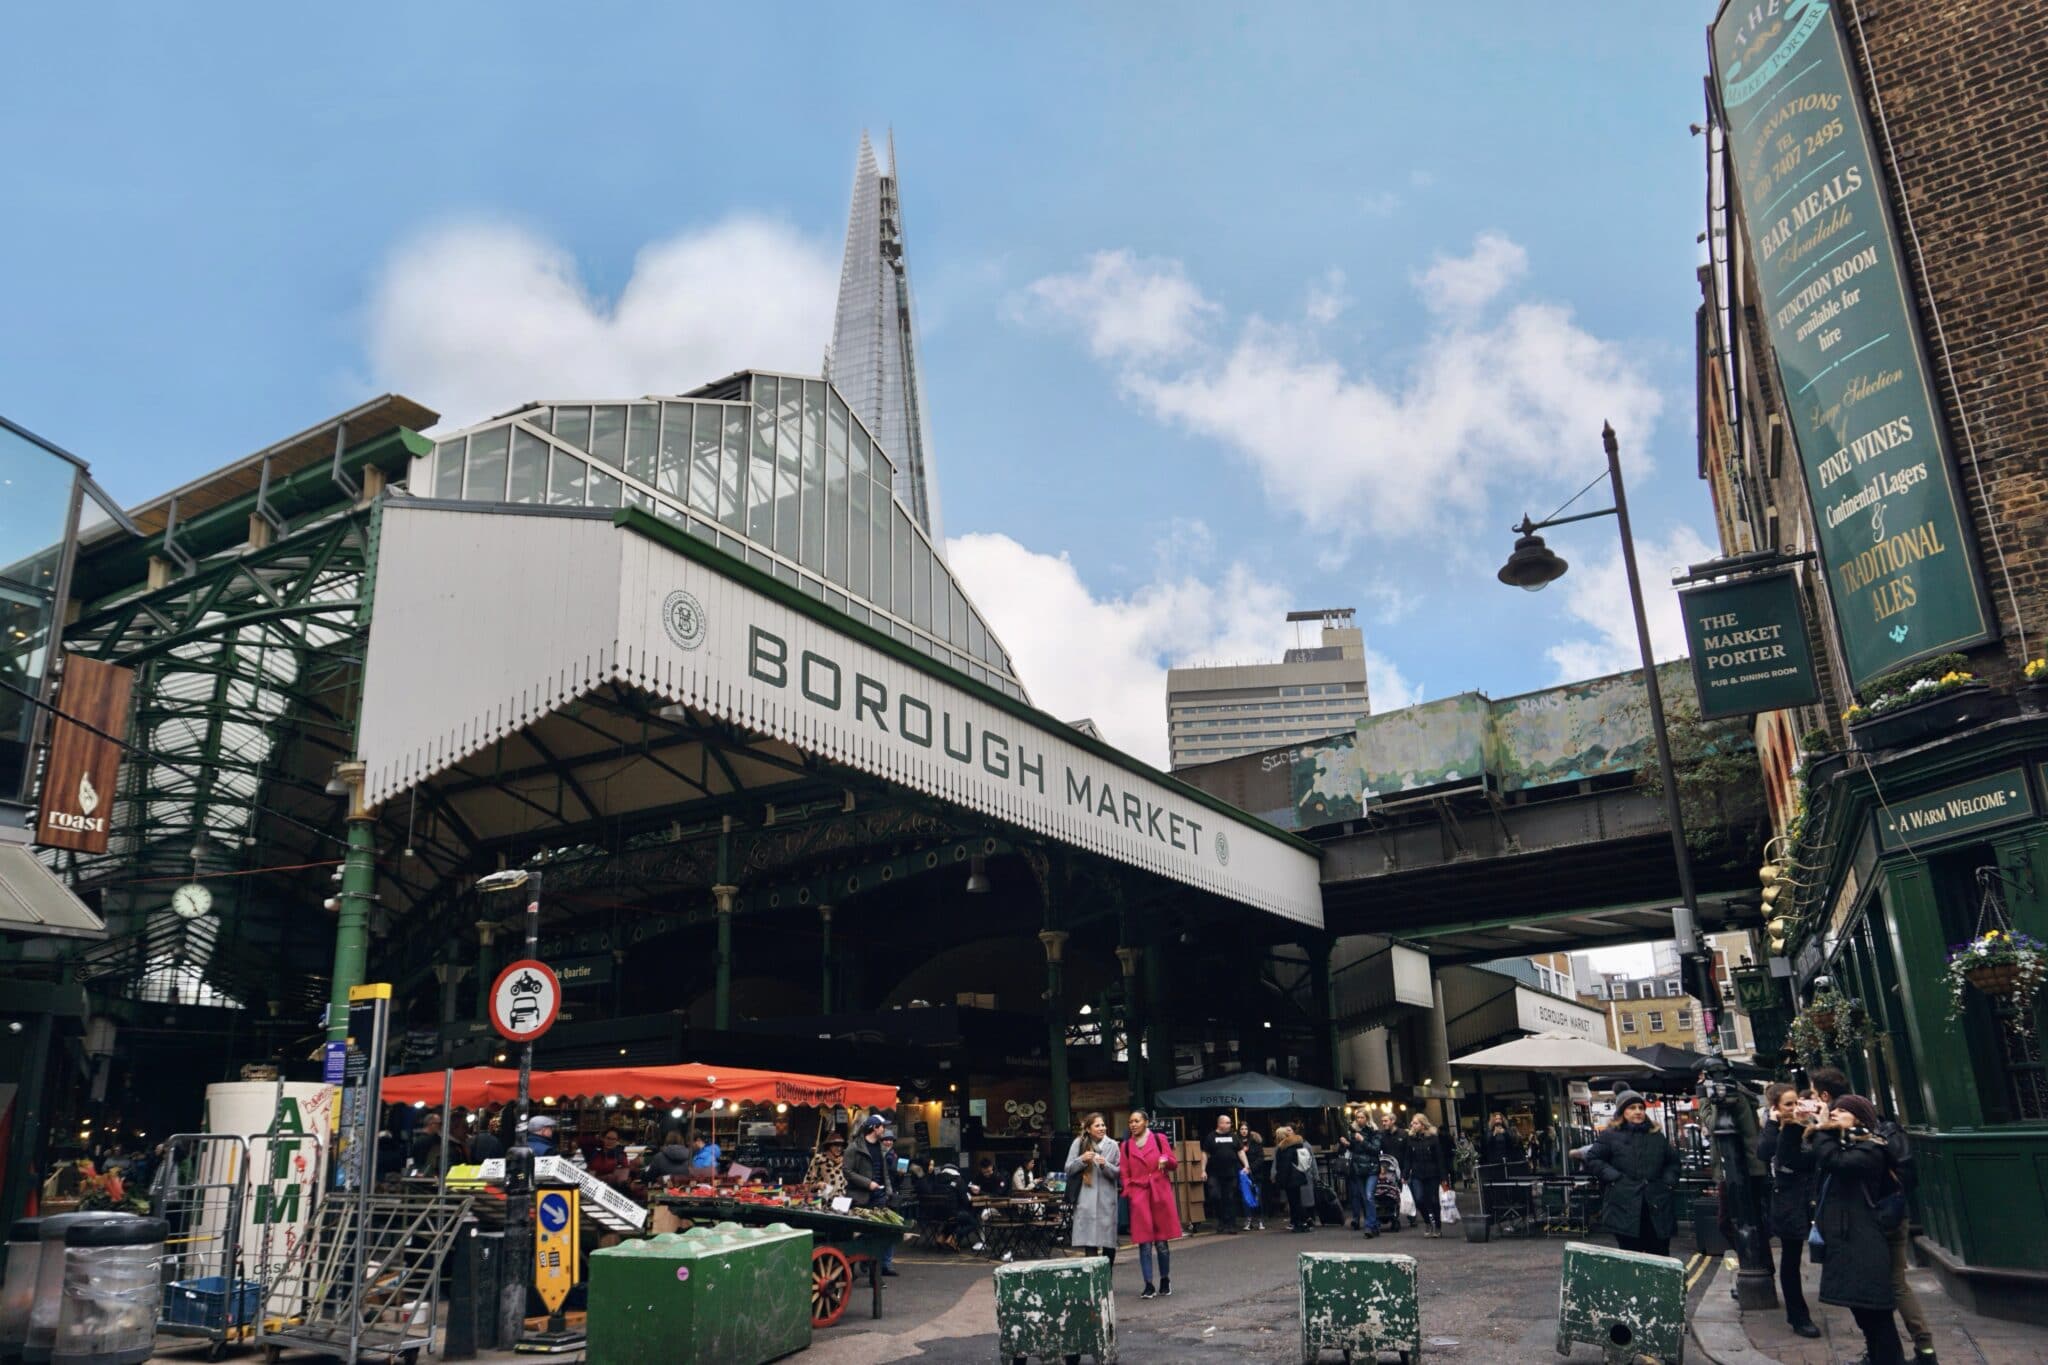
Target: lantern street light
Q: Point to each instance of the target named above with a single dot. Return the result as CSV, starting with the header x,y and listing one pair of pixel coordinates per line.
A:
x,y
1532,567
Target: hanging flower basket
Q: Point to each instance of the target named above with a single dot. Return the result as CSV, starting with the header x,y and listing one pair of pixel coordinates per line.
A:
x,y
1998,963
1824,1020
1994,978
1924,712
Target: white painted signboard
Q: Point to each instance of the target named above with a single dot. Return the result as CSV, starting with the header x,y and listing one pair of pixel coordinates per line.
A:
x,y
532,611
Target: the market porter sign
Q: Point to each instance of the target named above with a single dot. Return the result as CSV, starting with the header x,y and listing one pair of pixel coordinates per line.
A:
x,y
1833,296
1748,641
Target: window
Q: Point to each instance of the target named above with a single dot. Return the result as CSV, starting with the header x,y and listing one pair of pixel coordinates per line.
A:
x,y
565,480
673,471
529,467
1672,986
1628,1023
573,426
1656,1021
608,435
487,465
1684,1019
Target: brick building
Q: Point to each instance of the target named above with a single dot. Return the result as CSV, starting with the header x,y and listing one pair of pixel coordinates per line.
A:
x,y
1873,407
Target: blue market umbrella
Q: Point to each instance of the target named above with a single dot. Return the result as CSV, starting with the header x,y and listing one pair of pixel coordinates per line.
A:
x,y
1249,1090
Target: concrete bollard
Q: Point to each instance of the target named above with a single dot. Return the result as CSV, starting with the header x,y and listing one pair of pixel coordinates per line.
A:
x,y
1352,1302
1056,1311
1625,1302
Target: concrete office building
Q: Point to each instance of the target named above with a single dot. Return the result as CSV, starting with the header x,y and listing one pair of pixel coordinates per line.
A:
x,y
1222,712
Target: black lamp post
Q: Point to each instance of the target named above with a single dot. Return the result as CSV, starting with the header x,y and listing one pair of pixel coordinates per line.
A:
x,y
1533,567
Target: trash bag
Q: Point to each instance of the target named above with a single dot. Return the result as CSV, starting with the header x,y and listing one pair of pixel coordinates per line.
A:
x,y
1448,1203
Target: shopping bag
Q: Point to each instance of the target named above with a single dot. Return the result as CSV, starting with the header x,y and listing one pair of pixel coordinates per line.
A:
x,y
1408,1203
1448,1204
1248,1189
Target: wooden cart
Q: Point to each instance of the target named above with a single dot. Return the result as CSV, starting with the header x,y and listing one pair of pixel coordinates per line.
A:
x,y
841,1244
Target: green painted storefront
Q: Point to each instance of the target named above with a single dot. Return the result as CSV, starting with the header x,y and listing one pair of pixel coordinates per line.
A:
x,y
1879,920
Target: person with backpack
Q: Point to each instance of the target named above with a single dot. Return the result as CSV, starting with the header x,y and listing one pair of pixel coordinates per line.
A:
x,y
1294,1174
1362,1175
1781,1146
1849,1234
1146,1170
1830,1083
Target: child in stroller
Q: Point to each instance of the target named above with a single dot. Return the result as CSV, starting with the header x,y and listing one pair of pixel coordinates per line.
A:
x,y
1387,1194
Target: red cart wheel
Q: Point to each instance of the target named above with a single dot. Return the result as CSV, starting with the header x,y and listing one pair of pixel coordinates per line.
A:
x,y
831,1285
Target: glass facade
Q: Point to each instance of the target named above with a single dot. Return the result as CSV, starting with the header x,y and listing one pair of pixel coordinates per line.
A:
x,y
37,488
784,477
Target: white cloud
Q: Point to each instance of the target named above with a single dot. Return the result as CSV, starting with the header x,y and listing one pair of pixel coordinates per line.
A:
x,y
1326,297
1380,203
1596,595
476,318
1129,308
1462,285
1484,403
1386,685
1105,657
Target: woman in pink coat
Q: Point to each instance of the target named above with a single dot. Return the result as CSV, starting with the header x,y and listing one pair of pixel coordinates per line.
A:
x,y
1146,1159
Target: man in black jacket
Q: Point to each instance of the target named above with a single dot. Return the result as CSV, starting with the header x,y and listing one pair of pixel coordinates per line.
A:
x,y
871,1177
1223,1158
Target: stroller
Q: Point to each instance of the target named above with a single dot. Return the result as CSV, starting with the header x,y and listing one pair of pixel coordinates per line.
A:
x,y
1386,1198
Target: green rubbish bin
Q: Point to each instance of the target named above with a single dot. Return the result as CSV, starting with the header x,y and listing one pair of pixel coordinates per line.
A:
x,y
732,1294
1055,1311
1625,1302
1352,1302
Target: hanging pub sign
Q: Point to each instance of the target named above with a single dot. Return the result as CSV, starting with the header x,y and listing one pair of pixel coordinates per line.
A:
x,y
1748,643
78,782
1832,295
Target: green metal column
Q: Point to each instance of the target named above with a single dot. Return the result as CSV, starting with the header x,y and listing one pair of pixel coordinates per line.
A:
x,y
486,967
26,1143
1325,988
724,893
1134,1027
358,893
1055,941
825,960
1158,1041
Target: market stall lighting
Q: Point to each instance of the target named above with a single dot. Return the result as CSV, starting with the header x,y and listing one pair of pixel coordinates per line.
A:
x,y
718,1104
548,1100
611,1101
419,1104
639,1104
1087,1009
676,1112
781,1108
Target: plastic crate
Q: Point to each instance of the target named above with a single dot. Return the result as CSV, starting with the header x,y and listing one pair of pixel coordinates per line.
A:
x,y
204,1303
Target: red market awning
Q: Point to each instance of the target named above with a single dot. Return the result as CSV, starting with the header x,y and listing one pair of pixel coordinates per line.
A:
x,y
479,1085
475,1086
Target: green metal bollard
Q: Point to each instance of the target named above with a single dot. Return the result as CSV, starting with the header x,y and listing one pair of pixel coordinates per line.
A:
x,y
1625,1302
1055,1310
1354,1302
732,1294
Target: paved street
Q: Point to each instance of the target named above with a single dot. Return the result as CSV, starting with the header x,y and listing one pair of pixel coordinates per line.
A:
x,y
1233,1299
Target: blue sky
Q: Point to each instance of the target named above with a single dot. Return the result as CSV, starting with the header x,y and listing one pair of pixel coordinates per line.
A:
x,y
1225,311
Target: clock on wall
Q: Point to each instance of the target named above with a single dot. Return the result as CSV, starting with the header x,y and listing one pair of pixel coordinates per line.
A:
x,y
191,900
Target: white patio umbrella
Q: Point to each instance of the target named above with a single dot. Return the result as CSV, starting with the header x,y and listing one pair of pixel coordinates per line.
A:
x,y
1556,1055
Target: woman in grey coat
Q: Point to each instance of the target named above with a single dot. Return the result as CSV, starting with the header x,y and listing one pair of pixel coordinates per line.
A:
x,y
1092,1165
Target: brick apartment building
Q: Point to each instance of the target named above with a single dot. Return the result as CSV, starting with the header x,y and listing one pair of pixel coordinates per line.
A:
x,y
1873,393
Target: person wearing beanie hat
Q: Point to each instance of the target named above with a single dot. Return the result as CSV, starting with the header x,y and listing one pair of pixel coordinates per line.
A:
x,y
1853,1163
1639,1168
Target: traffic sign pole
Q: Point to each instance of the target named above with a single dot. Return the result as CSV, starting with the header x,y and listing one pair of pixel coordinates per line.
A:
x,y
519,1166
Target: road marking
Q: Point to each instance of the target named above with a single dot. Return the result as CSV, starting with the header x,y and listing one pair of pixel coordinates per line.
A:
x,y
1696,1267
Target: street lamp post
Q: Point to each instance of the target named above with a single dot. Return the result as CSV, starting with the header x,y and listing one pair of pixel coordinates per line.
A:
x,y
518,1156
1533,567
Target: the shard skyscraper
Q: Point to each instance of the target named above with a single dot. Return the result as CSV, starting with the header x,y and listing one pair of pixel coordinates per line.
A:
x,y
873,357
